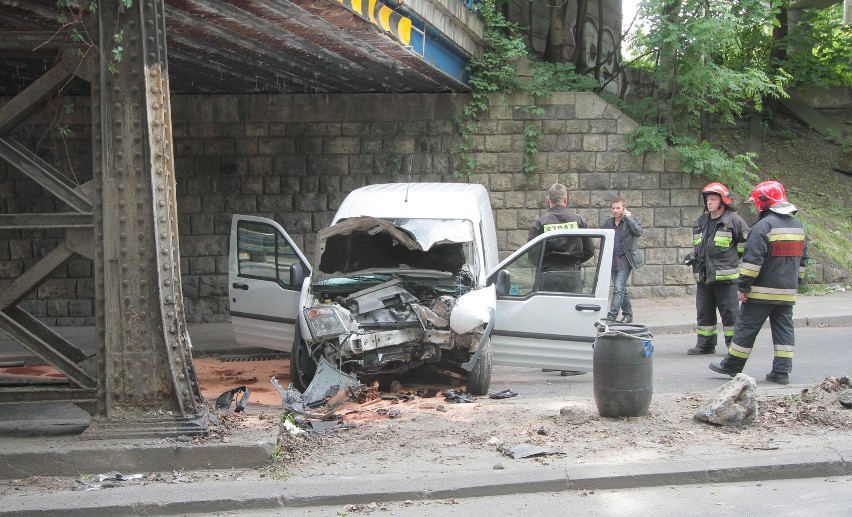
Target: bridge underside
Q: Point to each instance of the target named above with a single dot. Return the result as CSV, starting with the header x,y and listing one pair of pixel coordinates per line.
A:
x,y
246,46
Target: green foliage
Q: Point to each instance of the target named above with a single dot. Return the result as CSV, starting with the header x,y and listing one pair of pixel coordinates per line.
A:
x,y
646,137
532,136
556,77
819,49
700,159
709,58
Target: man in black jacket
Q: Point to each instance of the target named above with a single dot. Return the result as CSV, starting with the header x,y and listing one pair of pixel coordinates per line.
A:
x,y
563,256
625,257
772,268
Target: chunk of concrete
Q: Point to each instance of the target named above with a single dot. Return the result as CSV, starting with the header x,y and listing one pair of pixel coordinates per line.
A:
x,y
733,404
576,414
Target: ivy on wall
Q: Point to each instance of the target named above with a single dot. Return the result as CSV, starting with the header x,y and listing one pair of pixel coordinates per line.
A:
x,y
496,72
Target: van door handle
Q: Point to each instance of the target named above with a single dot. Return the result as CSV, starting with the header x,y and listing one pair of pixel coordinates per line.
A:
x,y
236,285
587,307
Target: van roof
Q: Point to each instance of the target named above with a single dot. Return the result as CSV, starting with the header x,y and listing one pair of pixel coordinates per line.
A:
x,y
416,200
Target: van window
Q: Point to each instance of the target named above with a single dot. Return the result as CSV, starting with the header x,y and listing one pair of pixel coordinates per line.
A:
x,y
531,274
263,253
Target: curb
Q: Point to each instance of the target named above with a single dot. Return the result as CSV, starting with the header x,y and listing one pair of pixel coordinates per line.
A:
x,y
126,457
798,322
165,499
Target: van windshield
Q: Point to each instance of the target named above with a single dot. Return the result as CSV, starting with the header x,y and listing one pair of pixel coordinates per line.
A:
x,y
429,232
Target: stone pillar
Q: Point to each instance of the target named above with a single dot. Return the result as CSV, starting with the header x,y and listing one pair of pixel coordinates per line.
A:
x,y
146,380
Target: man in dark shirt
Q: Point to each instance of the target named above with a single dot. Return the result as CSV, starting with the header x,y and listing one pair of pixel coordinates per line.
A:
x,y
562,255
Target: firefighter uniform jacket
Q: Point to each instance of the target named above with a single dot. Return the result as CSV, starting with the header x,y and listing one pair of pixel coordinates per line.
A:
x,y
718,246
564,253
774,260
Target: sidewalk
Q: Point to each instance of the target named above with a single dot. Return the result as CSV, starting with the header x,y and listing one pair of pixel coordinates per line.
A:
x,y
224,489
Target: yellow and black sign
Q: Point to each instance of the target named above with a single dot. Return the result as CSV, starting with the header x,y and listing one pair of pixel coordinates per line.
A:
x,y
382,17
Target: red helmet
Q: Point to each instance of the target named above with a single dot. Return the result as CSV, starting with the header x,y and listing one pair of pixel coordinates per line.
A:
x,y
768,194
718,189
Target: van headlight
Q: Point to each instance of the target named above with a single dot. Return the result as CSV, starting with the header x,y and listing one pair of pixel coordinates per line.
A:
x,y
324,321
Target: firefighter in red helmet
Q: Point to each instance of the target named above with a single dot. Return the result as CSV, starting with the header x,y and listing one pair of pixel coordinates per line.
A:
x,y
772,268
717,236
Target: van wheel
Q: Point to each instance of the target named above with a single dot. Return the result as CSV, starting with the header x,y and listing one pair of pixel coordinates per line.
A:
x,y
302,366
479,378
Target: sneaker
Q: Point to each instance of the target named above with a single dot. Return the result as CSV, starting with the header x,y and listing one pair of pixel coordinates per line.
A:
x,y
627,319
778,377
719,368
700,350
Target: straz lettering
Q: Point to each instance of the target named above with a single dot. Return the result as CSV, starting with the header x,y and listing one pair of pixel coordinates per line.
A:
x,y
788,249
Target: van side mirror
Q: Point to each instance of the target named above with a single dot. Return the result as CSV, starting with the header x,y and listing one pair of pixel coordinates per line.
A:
x,y
504,280
297,275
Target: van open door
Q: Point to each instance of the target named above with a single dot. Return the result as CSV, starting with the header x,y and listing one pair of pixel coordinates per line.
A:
x,y
546,319
265,276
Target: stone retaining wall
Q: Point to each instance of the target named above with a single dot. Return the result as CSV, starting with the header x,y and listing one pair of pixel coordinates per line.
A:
x,y
294,158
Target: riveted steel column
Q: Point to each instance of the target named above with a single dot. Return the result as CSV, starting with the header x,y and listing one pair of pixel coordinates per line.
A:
x,y
146,381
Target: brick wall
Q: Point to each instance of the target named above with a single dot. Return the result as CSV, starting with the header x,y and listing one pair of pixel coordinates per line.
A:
x,y
293,158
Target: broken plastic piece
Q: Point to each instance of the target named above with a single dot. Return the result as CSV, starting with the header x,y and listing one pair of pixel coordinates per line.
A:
x,y
225,399
116,476
291,398
325,377
527,451
453,396
505,394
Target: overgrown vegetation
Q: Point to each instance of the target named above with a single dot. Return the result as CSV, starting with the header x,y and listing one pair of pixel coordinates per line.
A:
x,y
697,53
497,72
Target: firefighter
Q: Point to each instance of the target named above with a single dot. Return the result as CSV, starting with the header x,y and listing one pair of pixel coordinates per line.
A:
x,y
718,236
772,268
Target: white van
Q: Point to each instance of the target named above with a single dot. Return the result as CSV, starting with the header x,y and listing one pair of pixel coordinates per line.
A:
x,y
407,277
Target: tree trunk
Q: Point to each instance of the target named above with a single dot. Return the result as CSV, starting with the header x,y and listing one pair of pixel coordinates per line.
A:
x,y
599,54
668,67
555,32
580,52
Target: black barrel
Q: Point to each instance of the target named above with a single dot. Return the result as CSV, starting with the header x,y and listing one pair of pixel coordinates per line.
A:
x,y
623,370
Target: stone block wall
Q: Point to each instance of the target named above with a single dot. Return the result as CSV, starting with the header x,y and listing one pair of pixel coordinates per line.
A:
x,y
294,158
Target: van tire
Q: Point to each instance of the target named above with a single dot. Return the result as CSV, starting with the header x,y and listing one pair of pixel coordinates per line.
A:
x,y
479,378
302,366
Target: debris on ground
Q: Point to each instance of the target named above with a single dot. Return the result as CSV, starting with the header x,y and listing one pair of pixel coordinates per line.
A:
x,y
458,397
505,394
108,480
575,414
733,404
527,451
225,400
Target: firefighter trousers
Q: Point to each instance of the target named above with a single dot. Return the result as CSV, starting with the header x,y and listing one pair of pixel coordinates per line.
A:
x,y
751,317
709,298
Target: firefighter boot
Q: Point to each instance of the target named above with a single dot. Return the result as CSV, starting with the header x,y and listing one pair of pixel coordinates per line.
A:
x,y
723,368
778,377
701,350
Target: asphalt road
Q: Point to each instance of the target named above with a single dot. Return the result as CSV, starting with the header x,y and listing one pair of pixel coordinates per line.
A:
x,y
820,352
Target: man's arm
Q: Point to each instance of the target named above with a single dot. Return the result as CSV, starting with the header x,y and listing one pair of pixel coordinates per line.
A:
x,y
634,226
536,230
588,249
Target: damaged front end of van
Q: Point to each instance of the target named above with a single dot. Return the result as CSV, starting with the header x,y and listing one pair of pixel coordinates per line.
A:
x,y
388,297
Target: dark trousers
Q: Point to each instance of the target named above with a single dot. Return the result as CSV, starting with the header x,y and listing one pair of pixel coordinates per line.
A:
x,y
749,321
709,298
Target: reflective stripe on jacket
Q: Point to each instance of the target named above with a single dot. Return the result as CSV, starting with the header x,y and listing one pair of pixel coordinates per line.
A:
x,y
774,260
718,259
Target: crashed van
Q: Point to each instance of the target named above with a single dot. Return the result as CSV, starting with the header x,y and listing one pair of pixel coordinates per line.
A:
x,y
407,278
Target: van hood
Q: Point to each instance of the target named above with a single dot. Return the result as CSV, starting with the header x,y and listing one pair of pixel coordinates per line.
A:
x,y
368,244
